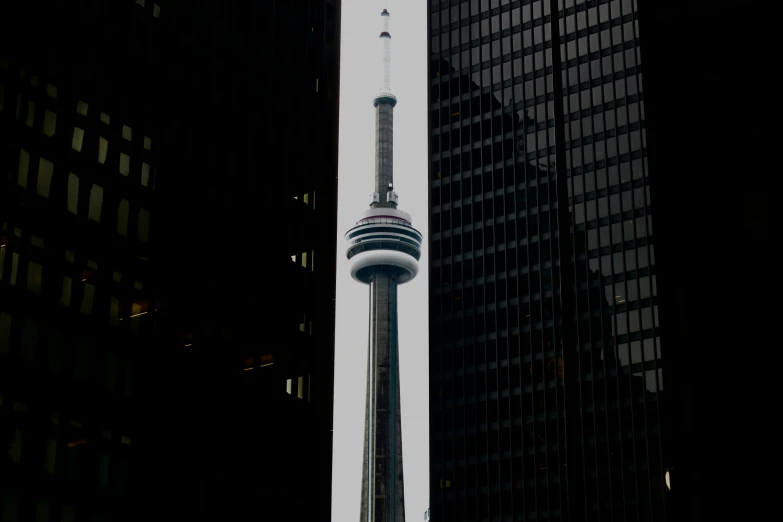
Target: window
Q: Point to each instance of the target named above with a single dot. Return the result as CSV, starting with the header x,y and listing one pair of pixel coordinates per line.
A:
x,y
127,132
122,217
124,164
24,165
144,224
105,118
14,267
73,193
81,108
50,122
147,143
78,139
103,149
145,175
96,201
51,90
45,170
51,458
34,277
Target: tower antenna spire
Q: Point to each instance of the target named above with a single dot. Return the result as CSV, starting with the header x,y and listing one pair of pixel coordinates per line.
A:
x,y
383,250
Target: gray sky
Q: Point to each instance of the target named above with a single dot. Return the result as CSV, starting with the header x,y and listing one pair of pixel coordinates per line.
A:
x,y
360,80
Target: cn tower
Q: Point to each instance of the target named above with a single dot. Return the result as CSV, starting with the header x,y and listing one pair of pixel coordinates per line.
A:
x,y
383,251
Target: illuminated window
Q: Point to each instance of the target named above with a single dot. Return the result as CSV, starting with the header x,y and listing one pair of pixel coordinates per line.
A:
x,y
122,218
14,268
50,123
30,113
103,149
65,299
24,165
45,170
300,388
127,132
34,277
73,193
140,2
124,164
304,259
96,202
147,143
81,108
5,331
144,225
105,118
78,139
145,174
156,10
36,241
288,386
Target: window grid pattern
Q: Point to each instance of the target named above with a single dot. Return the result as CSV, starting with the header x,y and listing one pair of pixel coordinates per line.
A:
x,y
497,430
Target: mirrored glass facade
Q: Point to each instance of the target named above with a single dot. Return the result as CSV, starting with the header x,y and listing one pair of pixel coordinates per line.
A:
x,y
540,211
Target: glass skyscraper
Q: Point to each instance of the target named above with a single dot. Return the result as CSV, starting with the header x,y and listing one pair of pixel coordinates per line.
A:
x,y
547,371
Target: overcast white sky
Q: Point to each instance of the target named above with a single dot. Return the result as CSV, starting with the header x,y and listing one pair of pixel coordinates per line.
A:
x,y
360,80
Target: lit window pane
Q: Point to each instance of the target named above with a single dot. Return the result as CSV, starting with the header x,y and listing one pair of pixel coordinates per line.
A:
x,y
81,108
45,170
147,143
78,139
103,149
145,174
124,164
105,118
96,202
127,132
24,165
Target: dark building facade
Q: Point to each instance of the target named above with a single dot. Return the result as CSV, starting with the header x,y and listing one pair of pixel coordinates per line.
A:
x,y
167,265
547,371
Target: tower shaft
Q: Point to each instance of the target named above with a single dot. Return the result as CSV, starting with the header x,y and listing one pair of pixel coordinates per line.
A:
x,y
384,152
382,479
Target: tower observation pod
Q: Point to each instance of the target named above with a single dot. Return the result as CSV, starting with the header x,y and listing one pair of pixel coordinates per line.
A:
x,y
383,250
